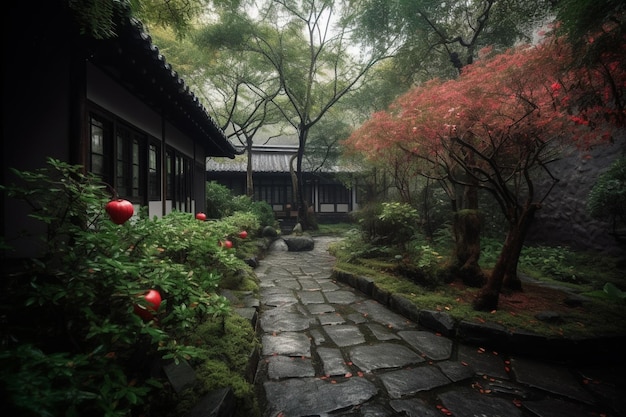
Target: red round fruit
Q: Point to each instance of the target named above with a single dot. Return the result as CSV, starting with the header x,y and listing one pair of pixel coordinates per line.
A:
x,y
201,216
243,234
152,302
228,244
119,210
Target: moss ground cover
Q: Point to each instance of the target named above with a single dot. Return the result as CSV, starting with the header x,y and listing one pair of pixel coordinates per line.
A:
x,y
554,275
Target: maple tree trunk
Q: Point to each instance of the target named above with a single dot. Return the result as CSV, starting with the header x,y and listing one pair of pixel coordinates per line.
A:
x,y
504,273
467,226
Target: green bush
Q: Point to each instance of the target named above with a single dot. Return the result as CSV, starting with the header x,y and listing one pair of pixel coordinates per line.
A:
x,y
70,342
221,202
388,223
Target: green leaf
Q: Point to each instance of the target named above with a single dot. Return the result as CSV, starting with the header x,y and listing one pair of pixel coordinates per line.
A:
x,y
613,291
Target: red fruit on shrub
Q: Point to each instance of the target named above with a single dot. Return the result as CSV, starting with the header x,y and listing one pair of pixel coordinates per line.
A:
x,y
119,210
153,301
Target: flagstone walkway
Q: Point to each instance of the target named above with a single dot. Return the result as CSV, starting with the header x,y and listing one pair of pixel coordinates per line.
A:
x,y
328,349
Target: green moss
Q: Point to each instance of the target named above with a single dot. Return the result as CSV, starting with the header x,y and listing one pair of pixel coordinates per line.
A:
x,y
227,357
598,318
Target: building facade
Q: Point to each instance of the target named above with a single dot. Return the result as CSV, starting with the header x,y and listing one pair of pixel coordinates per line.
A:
x,y
330,198
113,106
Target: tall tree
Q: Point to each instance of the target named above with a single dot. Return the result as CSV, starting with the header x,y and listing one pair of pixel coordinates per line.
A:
x,y
236,86
438,38
310,46
511,113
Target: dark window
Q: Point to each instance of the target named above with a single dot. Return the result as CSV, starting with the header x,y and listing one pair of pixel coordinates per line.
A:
x,y
179,180
130,164
334,194
122,158
101,131
154,172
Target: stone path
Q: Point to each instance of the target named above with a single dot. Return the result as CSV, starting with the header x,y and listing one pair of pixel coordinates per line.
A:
x,y
330,350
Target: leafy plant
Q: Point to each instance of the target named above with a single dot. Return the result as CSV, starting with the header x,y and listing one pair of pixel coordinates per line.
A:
x,y
389,223
607,199
69,330
221,202
552,262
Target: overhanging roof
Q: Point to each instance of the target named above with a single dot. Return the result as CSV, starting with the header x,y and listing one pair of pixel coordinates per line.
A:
x,y
136,63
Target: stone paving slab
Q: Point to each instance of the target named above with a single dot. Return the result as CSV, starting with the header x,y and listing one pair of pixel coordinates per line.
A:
x,y
371,361
382,315
284,320
383,356
340,297
290,344
333,362
320,308
411,381
414,408
280,367
311,297
299,397
484,362
330,319
468,402
344,335
456,371
554,379
434,347
381,333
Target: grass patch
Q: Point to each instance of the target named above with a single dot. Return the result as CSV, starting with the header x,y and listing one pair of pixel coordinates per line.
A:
x,y
332,229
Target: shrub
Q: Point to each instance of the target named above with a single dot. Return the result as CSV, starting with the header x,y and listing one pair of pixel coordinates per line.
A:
x,y
607,199
71,344
389,223
221,202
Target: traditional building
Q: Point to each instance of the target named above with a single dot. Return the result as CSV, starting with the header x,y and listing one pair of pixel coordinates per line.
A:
x,y
329,191
114,106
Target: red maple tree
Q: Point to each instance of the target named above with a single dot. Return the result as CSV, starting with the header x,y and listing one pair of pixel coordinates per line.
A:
x,y
497,127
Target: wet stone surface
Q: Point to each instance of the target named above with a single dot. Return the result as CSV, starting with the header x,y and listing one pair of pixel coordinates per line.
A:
x,y
383,355
331,350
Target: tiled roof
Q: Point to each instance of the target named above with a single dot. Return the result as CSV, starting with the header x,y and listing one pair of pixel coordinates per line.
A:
x,y
268,159
136,62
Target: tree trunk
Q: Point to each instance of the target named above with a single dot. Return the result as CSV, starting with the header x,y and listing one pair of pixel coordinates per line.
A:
x,y
249,183
506,266
511,280
467,226
302,204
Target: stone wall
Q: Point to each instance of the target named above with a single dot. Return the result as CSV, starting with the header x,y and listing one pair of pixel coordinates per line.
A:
x,y
563,219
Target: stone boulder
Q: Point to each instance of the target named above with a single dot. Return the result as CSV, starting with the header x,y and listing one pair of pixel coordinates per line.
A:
x,y
270,232
279,245
299,243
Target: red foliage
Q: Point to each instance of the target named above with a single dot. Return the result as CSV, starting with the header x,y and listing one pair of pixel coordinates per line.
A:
x,y
521,98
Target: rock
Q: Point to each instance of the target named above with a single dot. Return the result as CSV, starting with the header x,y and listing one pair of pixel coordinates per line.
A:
x,y
279,245
437,321
299,243
217,403
549,317
252,262
269,231
297,229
